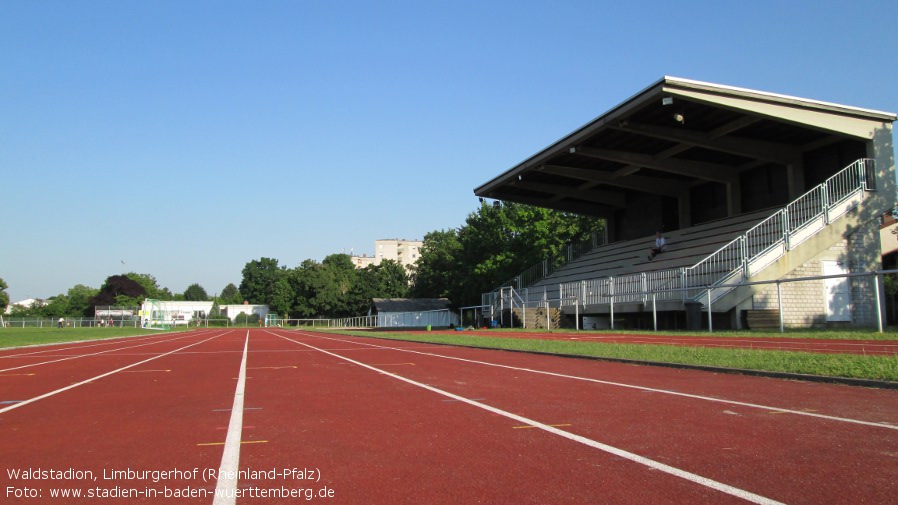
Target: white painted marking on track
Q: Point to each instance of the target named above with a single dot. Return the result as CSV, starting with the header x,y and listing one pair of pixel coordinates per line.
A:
x,y
650,463
226,487
779,410
107,374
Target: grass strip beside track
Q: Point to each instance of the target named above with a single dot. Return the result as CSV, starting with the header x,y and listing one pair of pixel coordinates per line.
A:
x,y
879,368
890,333
18,337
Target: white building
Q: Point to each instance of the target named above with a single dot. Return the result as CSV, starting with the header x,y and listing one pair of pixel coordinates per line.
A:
x,y
405,252
181,312
25,304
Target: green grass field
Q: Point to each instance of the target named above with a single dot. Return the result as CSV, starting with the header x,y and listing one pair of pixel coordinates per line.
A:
x,y
884,368
830,365
890,333
16,337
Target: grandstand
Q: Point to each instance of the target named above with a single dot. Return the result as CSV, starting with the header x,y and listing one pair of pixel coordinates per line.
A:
x,y
747,186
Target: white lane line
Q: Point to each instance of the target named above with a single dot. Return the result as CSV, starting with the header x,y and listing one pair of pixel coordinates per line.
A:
x,y
226,487
655,465
95,353
630,386
92,379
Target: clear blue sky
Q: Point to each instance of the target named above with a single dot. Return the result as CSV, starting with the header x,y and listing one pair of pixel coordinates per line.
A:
x,y
188,138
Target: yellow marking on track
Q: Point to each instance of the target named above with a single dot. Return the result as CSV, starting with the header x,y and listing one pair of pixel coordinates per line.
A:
x,y
527,426
271,367
242,442
16,374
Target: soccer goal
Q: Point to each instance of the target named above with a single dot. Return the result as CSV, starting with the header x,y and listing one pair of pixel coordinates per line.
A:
x,y
272,320
153,316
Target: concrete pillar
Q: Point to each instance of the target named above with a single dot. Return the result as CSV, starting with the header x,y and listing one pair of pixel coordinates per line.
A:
x,y
684,203
734,199
795,180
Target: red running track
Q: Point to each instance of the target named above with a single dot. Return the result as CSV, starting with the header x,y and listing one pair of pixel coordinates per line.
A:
x,y
381,422
863,347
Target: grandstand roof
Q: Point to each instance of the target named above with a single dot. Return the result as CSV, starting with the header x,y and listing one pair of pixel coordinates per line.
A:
x,y
673,135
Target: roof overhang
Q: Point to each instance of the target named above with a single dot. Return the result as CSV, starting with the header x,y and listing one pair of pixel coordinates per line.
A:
x,y
673,135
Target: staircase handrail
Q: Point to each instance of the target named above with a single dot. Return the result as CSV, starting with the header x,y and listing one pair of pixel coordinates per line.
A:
x,y
569,252
735,257
777,228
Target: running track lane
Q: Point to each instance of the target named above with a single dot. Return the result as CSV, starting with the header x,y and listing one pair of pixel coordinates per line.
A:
x,y
378,439
30,374
170,412
862,347
375,439
788,456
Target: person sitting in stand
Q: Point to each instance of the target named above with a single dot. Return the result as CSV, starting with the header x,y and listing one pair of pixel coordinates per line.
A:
x,y
660,245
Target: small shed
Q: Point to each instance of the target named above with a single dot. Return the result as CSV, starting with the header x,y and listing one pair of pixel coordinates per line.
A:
x,y
413,312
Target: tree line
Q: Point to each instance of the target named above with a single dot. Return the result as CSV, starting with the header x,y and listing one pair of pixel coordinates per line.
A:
x,y
496,242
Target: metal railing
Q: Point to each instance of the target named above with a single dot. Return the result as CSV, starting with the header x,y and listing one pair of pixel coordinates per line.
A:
x,y
744,256
569,253
415,319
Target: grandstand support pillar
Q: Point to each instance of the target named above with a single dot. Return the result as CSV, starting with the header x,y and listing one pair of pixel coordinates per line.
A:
x,y
611,307
734,199
685,210
795,179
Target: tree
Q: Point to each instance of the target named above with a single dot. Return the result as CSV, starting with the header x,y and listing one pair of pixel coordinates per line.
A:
x,y
230,295
266,283
497,242
195,293
324,289
435,274
119,290
4,296
305,281
386,280
79,297
339,275
150,286
57,306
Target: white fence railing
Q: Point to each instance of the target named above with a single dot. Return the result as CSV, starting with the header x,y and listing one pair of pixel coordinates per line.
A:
x,y
417,319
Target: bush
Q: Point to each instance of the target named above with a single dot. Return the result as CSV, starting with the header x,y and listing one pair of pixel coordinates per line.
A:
x,y
247,319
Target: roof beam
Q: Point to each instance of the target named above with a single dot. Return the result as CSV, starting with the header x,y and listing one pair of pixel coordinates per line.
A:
x,y
612,198
644,184
701,170
755,149
584,208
